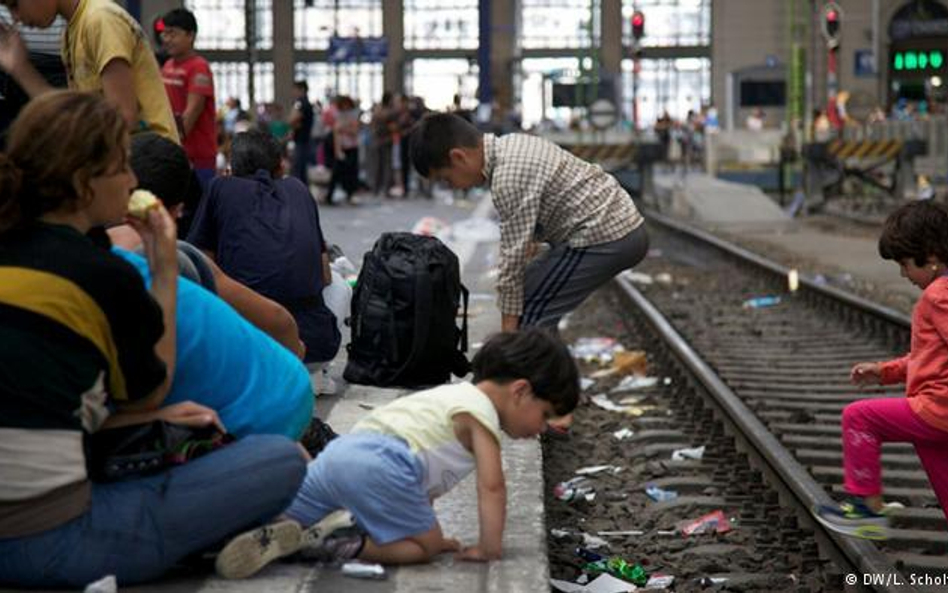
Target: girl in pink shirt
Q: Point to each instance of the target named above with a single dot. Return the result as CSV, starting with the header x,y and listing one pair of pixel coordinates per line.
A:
x,y
915,236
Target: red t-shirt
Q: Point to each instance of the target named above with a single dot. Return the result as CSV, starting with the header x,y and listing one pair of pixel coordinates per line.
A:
x,y
193,75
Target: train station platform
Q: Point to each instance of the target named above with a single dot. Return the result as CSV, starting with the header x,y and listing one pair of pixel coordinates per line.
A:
x,y
525,566
841,252
709,199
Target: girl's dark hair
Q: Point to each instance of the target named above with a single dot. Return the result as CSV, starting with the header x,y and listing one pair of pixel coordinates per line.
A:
x,y
916,231
60,141
534,355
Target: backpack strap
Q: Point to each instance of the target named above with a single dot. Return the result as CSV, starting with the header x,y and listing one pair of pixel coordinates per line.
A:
x,y
422,317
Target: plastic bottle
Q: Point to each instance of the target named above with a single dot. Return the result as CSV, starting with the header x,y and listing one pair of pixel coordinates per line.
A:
x,y
761,302
633,573
658,494
589,555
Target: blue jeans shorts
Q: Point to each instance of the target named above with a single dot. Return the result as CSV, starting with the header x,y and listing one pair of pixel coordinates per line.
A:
x,y
377,478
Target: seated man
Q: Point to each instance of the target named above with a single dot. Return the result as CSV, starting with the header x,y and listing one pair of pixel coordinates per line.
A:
x,y
224,362
263,230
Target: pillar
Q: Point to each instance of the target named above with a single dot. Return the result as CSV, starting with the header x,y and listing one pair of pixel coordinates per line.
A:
x,y
283,44
393,28
504,50
610,43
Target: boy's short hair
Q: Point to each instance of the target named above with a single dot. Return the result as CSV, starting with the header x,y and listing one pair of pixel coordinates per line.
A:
x,y
181,18
162,167
434,137
254,150
302,85
535,355
916,231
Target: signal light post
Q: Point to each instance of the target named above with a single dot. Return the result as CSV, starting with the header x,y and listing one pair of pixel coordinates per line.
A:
x,y
831,17
638,31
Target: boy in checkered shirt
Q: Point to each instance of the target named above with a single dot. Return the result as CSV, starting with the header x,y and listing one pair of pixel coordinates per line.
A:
x,y
543,194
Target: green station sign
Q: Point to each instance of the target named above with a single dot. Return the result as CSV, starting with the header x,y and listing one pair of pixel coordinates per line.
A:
x,y
918,60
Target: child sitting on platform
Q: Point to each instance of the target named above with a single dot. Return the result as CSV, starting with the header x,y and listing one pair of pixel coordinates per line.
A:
x,y
916,237
402,456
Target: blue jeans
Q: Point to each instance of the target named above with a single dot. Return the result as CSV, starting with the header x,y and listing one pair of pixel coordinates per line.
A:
x,y
137,530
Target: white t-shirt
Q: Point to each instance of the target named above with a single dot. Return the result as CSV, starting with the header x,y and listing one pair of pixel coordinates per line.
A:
x,y
425,421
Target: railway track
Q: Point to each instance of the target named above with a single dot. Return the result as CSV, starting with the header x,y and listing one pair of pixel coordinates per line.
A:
x,y
778,378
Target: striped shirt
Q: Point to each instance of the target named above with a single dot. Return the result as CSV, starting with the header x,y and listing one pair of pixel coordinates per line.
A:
x,y
77,333
46,41
545,194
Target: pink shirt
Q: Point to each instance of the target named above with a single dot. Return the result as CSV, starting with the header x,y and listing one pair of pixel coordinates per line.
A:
x,y
925,369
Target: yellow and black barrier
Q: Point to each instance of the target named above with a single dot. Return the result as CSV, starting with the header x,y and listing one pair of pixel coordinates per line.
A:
x,y
865,149
611,155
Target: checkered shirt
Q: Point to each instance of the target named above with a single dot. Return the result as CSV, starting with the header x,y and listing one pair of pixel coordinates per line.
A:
x,y
545,194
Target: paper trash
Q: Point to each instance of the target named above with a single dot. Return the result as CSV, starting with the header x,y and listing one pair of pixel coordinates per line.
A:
x,y
604,583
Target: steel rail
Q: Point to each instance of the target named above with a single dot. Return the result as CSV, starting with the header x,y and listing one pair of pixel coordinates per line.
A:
x,y
858,556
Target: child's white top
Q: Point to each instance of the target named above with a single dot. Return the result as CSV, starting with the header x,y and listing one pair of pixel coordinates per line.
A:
x,y
425,420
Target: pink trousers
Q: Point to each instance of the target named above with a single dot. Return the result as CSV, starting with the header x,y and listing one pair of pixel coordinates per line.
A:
x,y
870,422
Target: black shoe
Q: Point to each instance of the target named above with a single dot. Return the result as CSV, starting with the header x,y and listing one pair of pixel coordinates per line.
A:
x,y
317,436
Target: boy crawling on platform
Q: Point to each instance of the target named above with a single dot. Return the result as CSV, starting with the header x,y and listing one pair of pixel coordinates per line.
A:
x,y
385,474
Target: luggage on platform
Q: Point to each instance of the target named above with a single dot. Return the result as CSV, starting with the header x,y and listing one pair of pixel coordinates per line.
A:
x,y
404,315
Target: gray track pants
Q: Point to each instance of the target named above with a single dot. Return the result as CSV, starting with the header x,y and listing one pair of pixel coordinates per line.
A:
x,y
559,280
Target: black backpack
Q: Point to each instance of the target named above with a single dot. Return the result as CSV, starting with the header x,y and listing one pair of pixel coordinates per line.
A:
x,y
404,311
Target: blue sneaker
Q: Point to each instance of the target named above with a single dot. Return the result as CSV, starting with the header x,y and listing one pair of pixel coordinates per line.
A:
x,y
853,519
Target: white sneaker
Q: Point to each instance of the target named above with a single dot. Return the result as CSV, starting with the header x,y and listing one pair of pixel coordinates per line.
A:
x,y
320,380
327,384
249,552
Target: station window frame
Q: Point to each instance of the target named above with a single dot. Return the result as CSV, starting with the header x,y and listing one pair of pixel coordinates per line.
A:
x,y
559,24
669,23
223,24
314,24
441,24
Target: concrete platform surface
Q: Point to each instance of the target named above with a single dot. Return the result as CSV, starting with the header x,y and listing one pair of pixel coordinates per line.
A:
x,y
706,199
524,567
824,244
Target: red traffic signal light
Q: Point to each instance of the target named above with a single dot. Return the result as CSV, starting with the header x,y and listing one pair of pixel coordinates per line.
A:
x,y
638,25
832,15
